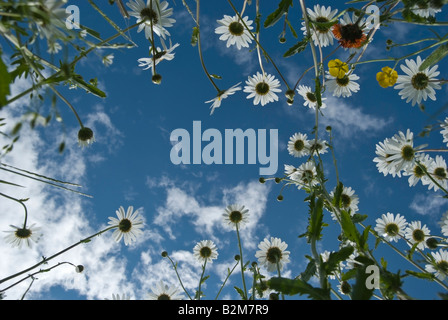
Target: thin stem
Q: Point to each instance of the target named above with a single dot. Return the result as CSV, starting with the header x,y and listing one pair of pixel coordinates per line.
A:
x,y
178,277
200,280
225,280
45,260
21,202
241,260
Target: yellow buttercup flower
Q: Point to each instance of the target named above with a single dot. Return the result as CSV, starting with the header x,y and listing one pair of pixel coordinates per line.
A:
x,y
337,68
387,77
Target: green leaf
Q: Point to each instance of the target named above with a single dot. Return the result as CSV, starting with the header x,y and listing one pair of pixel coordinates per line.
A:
x,y
240,292
4,84
273,18
348,227
297,286
88,87
194,36
316,216
438,54
421,275
309,271
337,257
360,290
297,48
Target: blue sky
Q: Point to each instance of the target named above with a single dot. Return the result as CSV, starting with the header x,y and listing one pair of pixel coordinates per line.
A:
x,y
129,164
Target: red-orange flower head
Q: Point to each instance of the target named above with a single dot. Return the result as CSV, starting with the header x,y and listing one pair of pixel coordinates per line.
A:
x,y
349,35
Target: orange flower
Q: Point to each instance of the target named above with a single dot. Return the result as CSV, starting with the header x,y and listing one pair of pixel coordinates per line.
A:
x,y
349,35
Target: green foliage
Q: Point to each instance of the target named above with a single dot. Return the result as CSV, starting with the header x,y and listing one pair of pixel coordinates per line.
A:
x,y
297,286
274,17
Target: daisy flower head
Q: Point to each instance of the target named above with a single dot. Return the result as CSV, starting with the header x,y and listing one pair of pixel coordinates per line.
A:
x,y
416,234
128,225
440,264
289,170
350,32
349,200
417,85
155,14
391,227
396,154
342,86
216,102
262,88
160,55
299,145
318,146
425,9
234,32
162,291
309,97
439,172
272,253
205,251
22,235
444,131
236,215
387,77
416,172
85,137
306,175
320,33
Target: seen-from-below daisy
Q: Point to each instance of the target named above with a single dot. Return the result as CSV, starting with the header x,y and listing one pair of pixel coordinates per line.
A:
x,y
417,85
305,176
391,227
128,225
216,102
299,145
321,34
153,13
309,97
416,173
444,131
272,253
21,235
122,297
439,173
440,264
425,10
205,251
162,291
318,146
234,32
85,137
342,86
349,32
165,54
262,88
349,201
236,215
289,170
416,234
444,224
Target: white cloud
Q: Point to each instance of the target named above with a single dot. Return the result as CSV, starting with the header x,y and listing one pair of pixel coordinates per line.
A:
x,y
428,204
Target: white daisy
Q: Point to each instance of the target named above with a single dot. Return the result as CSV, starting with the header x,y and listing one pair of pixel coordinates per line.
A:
x,y
128,225
85,137
262,88
108,60
349,200
440,264
272,253
161,291
21,235
391,227
154,13
318,146
321,35
205,251
439,172
417,85
342,86
444,131
234,32
415,233
222,95
396,154
165,54
309,97
306,175
416,173
299,145
236,215
425,10
289,170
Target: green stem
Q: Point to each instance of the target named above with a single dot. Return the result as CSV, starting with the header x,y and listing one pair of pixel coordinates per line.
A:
x,y
241,260
200,280
225,280
178,277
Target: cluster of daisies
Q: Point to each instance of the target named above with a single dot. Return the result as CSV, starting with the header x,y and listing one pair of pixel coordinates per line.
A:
x,y
398,156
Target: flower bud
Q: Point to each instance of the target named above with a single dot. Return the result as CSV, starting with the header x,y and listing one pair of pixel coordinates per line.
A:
x,y
79,268
157,79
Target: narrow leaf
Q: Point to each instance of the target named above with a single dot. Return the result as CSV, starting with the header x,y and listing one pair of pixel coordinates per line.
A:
x,y
438,54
